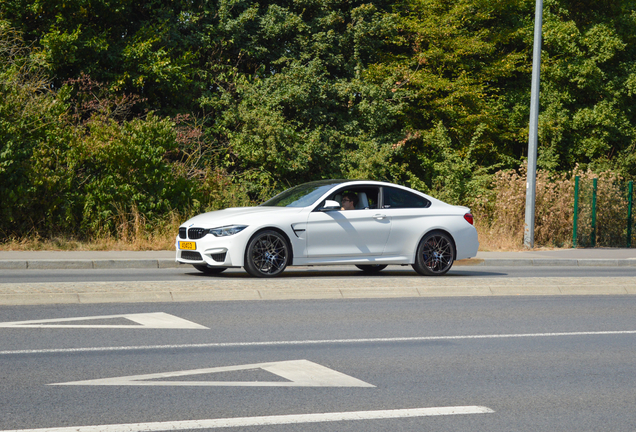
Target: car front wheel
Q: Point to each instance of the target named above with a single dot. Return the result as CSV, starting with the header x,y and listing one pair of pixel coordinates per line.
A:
x,y
435,254
267,254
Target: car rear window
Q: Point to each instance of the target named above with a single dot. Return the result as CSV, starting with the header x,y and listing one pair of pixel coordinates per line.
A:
x,y
398,198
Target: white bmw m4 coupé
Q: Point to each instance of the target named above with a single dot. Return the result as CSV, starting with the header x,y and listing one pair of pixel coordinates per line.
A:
x,y
368,224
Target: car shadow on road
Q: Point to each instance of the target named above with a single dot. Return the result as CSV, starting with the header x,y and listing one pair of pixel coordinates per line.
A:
x,y
342,272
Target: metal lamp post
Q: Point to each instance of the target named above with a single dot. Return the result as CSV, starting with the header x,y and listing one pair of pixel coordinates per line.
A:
x,y
528,234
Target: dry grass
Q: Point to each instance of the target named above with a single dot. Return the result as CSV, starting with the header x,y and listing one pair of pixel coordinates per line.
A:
x,y
500,215
134,233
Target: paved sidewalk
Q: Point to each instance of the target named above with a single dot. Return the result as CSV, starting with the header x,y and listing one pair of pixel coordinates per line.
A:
x,y
239,286
164,259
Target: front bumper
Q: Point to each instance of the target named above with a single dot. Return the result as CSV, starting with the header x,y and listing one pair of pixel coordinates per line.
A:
x,y
210,251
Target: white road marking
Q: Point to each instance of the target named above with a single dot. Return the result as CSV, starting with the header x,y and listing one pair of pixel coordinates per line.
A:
x,y
299,373
312,342
154,320
270,420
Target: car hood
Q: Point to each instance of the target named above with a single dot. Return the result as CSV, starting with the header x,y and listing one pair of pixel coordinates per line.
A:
x,y
237,215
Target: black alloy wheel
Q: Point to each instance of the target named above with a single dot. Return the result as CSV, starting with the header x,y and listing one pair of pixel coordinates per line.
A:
x,y
371,268
210,270
435,254
267,254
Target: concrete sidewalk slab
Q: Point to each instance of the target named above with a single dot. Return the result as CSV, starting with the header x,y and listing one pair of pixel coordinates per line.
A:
x,y
245,288
312,288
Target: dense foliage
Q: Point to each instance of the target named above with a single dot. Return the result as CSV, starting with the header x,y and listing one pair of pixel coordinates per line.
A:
x,y
112,106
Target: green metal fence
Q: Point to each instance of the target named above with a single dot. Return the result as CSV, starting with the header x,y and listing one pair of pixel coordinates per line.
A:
x,y
602,213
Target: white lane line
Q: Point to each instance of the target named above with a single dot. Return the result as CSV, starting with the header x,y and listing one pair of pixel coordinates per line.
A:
x,y
314,342
269,420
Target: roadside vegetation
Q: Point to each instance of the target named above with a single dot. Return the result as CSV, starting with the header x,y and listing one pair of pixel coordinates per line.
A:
x,y
118,120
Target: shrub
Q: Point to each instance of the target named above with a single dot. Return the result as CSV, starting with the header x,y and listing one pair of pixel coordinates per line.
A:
x,y
121,168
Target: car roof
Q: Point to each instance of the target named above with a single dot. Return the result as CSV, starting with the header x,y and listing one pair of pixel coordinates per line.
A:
x,y
357,182
364,182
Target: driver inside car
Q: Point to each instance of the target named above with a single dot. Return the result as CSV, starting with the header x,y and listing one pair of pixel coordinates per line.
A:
x,y
349,201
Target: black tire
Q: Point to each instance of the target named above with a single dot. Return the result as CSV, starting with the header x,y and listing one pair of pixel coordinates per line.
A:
x,y
210,270
435,254
371,268
267,254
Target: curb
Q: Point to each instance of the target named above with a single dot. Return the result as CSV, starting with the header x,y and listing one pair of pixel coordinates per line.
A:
x,y
170,263
87,264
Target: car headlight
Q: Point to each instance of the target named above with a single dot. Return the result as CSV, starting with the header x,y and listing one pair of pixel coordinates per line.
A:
x,y
228,230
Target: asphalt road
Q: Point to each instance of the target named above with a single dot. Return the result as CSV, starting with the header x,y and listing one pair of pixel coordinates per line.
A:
x,y
188,273
516,363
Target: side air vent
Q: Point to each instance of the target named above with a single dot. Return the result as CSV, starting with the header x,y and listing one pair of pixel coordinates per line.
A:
x,y
192,256
220,257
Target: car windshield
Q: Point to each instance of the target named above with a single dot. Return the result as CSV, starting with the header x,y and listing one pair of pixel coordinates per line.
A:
x,y
302,195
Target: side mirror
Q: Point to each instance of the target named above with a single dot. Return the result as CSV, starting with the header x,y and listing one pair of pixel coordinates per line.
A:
x,y
330,205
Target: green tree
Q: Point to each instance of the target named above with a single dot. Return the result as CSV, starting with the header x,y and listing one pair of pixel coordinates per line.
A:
x,y
146,48
32,139
466,65
429,93
588,77
71,163
294,104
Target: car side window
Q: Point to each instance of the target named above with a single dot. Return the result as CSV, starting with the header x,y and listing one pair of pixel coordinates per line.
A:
x,y
367,197
398,198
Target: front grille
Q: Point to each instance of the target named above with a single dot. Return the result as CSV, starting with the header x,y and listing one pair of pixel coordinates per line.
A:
x,y
192,256
220,257
182,232
196,233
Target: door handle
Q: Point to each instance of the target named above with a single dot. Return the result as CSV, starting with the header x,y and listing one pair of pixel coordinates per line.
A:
x,y
379,216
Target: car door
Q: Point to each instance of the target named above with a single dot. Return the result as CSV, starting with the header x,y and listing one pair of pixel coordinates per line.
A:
x,y
409,215
340,233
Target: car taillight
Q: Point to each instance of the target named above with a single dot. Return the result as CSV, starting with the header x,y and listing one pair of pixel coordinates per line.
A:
x,y
469,218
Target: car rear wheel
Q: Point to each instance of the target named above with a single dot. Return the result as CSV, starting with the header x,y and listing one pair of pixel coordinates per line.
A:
x,y
267,254
371,268
435,254
210,270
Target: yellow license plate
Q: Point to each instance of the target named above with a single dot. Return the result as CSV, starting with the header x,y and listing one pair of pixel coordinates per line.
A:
x,y
187,245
